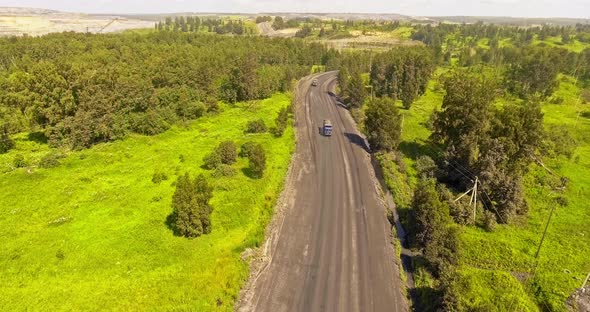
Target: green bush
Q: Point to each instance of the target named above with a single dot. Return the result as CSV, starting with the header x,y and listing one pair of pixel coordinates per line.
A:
x,y
158,177
224,171
50,160
212,106
246,149
6,143
489,221
256,126
212,160
228,152
19,161
148,123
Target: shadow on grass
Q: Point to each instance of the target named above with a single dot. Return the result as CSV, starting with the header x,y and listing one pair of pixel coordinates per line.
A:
x,y
427,299
170,224
585,114
247,171
357,140
37,137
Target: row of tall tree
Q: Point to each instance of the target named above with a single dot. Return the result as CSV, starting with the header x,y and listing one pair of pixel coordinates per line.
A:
x,y
402,73
195,24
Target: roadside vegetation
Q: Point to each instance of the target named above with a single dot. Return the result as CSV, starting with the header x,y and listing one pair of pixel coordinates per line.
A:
x,y
121,182
94,231
503,108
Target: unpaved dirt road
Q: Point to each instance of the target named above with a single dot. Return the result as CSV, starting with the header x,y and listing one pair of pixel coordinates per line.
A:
x,y
266,29
331,248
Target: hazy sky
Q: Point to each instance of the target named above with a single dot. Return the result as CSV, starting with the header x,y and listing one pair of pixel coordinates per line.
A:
x,y
524,8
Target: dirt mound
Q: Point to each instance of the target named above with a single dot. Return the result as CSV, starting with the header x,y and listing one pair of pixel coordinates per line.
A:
x,y
579,301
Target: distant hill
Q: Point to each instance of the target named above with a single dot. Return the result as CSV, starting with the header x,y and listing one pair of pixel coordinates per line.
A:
x,y
516,21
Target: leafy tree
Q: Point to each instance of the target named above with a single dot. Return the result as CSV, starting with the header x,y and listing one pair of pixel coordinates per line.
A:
x,y
535,72
279,23
355,90
462,125
257,160
382,124
190,207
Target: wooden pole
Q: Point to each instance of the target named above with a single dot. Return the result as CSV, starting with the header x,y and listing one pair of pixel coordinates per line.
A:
x,y
475,199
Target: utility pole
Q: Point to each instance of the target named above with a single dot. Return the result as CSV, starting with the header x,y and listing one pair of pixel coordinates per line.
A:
x,y
473,198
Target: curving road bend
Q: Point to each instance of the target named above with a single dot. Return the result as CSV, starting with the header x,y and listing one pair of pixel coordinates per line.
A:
x,y
331,248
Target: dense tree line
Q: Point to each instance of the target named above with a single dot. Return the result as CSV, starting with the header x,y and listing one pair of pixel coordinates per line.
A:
x,y
80,89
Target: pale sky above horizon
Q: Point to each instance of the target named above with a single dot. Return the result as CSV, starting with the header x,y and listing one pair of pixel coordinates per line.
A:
x,y
515,8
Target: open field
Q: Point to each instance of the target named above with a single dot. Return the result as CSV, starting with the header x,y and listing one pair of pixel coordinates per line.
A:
x,y
498,267
34,22
94,227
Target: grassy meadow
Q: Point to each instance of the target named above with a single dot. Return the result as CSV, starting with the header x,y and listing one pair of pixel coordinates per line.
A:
x,y
90,234
498,268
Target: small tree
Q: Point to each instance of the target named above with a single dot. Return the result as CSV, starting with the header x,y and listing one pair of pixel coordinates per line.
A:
x,y
382,124
281,122
257,158
228,152
212,160
190,207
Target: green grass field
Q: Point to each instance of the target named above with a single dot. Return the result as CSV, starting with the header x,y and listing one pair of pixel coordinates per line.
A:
x,y
91,233
497,268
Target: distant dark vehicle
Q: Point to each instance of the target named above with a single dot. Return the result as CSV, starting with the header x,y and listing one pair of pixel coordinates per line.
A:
x,y
314,83
327,128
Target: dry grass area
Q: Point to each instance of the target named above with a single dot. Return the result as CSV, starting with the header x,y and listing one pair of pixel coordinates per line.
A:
x,y
35,22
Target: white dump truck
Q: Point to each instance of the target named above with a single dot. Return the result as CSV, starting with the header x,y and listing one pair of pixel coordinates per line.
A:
x,y
327,128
